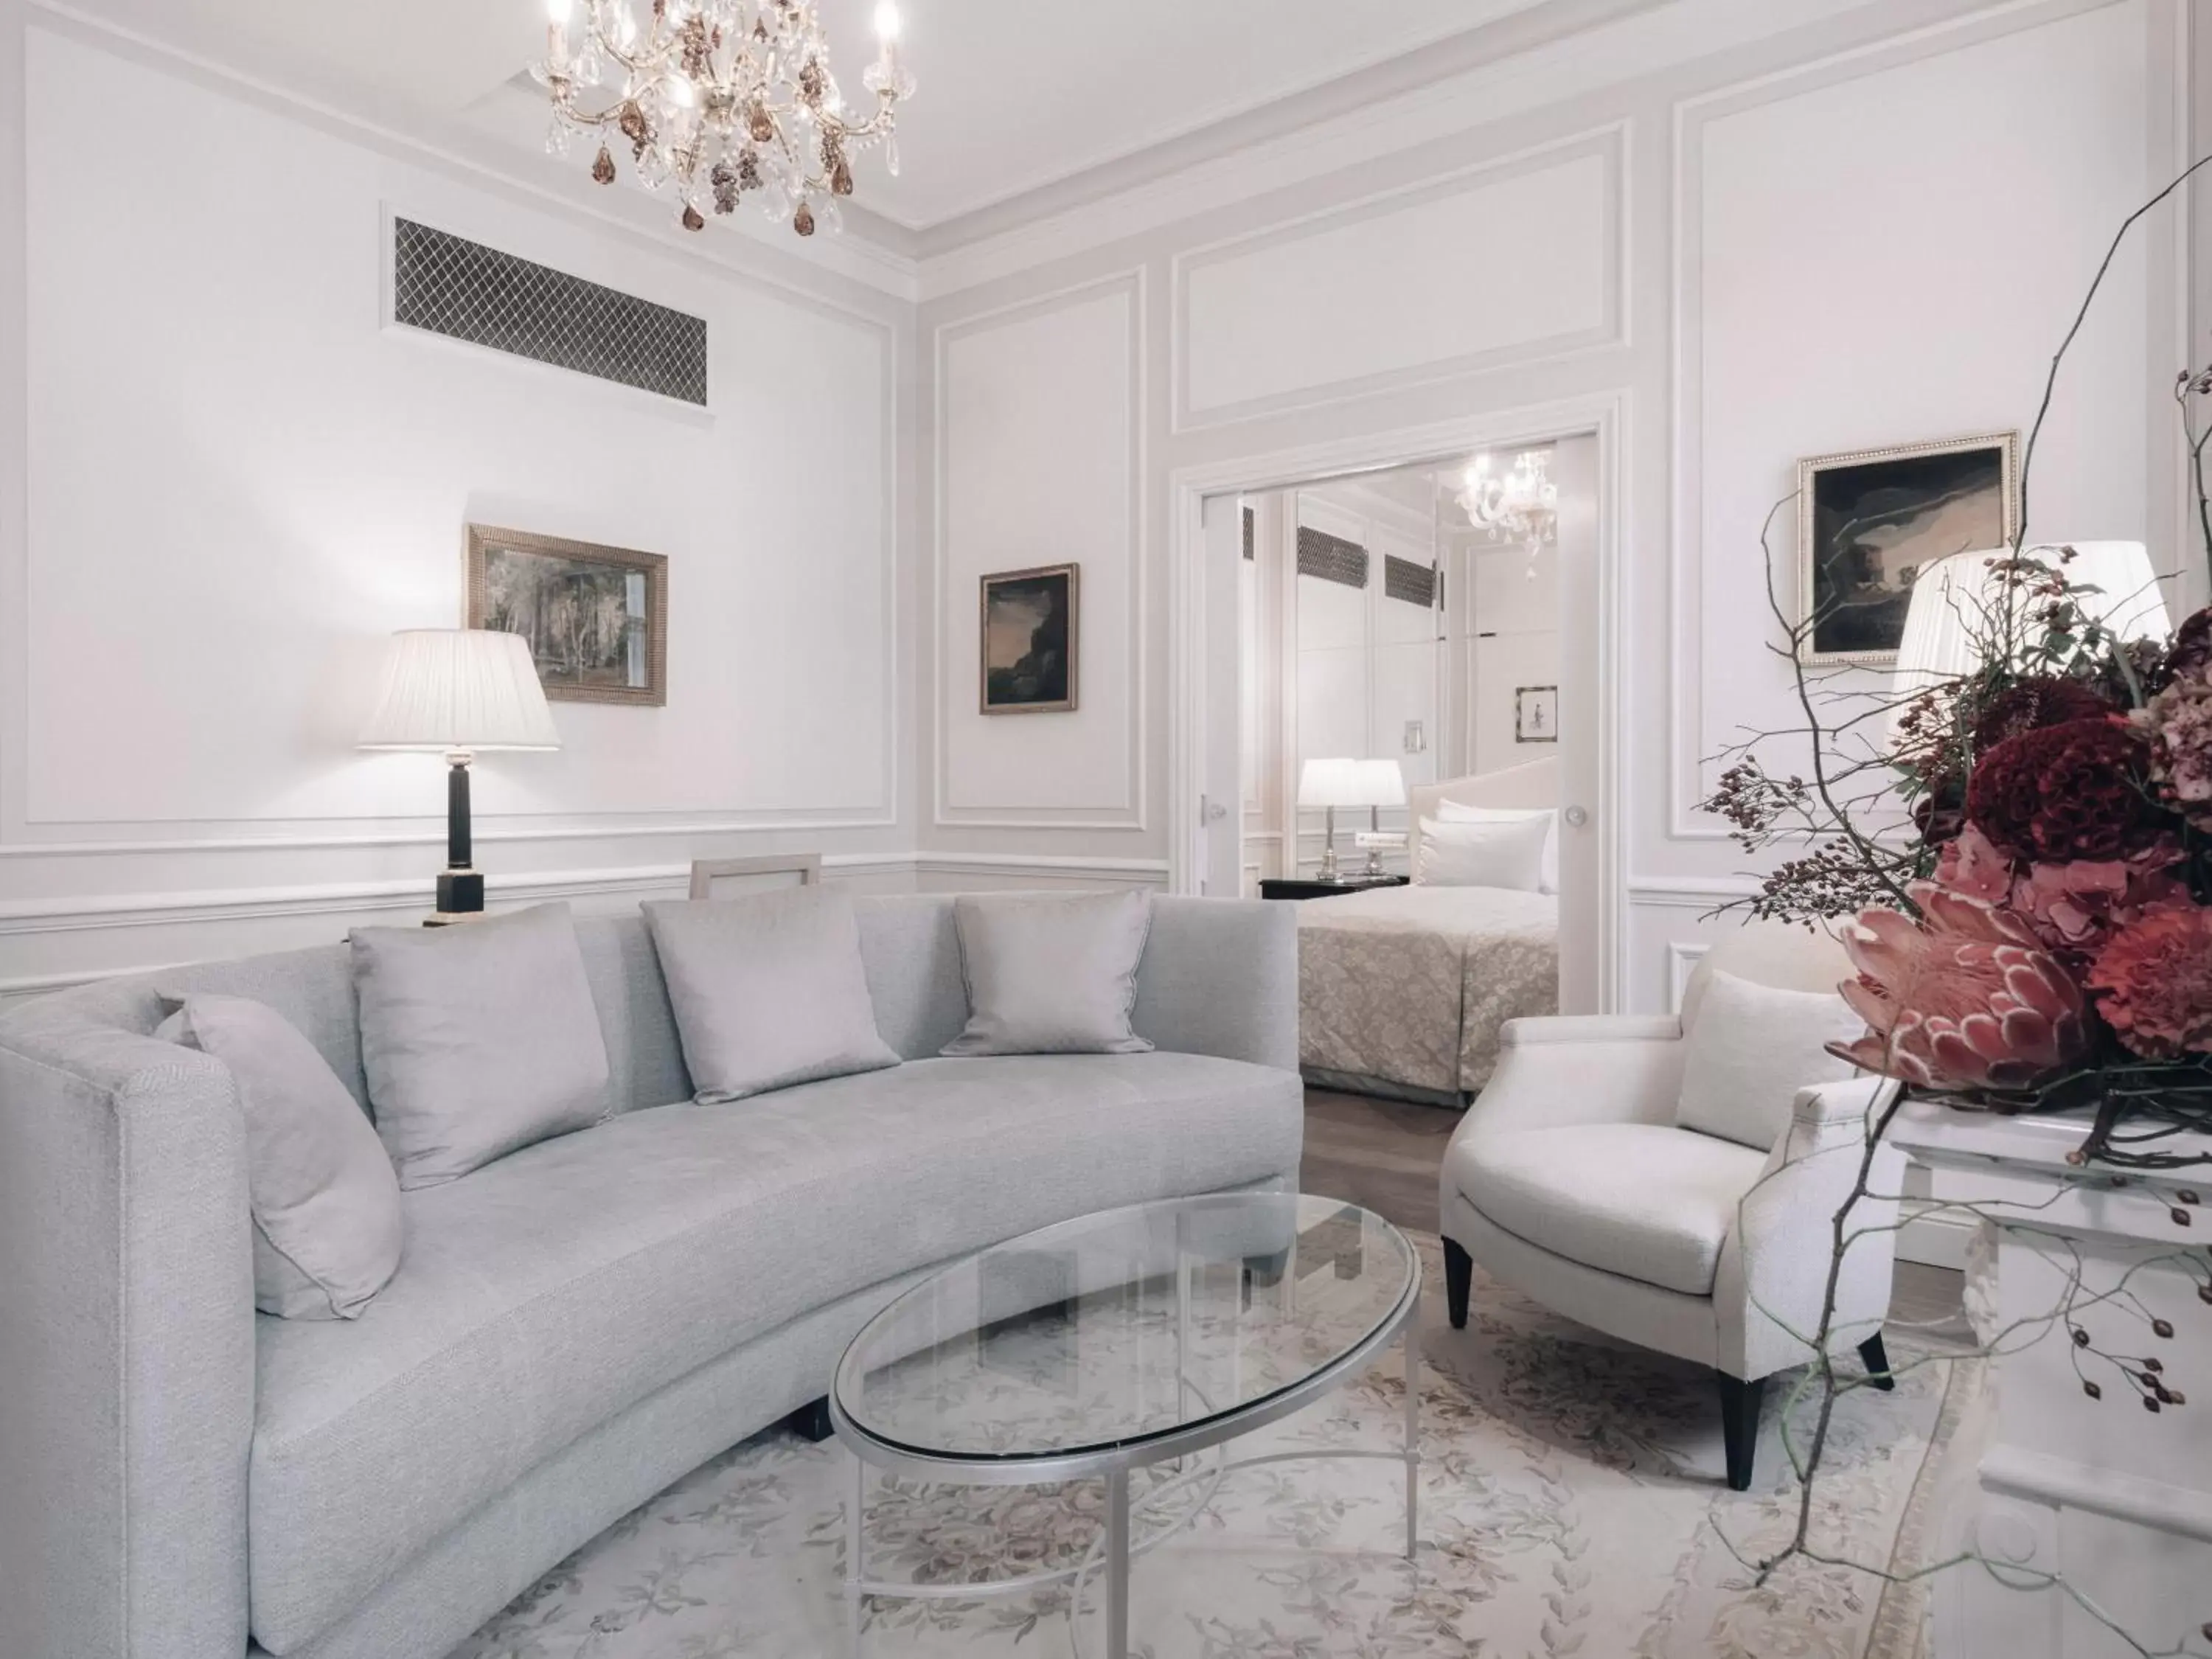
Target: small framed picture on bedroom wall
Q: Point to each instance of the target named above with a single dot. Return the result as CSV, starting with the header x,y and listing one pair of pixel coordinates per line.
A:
x,y
1870,521
1535,714
1030,638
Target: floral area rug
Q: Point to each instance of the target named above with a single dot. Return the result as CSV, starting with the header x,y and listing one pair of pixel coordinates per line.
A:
x,y
1572,1504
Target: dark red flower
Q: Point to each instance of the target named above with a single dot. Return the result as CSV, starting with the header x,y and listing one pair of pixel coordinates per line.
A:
x,y
2029,705
2152,982
2192,650
2074,791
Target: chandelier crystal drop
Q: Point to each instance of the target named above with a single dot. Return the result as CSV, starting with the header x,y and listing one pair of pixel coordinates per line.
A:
x,y
719,99
1522,505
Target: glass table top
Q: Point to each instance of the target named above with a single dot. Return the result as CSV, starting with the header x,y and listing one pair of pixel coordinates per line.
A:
x,y
1124,1327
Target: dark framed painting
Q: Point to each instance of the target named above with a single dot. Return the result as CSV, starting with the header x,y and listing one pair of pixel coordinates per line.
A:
x,y
1030,638
1870,521
596,617
1535,714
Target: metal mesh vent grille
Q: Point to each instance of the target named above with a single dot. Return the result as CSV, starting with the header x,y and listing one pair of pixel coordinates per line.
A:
x,y
1331,558
1416,584
450,285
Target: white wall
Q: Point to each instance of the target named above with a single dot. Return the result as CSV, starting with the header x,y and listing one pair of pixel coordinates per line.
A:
x,y
1741,233
237,480
1515,614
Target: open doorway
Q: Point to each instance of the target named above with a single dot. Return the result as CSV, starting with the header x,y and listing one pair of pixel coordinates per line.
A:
x,y
1415,709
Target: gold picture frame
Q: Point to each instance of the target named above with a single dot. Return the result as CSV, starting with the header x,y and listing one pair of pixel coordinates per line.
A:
x,y
1029,624
613,649
1868,520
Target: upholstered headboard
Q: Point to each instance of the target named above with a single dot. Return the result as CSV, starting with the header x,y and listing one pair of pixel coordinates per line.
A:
x,y
1536,784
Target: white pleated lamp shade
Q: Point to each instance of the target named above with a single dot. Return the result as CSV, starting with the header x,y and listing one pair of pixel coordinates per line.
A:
x,y
1952,597
459,688
1382,783
1330,783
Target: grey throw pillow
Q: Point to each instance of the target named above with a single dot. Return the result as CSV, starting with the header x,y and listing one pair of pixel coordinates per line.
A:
x,y
769,990
1751,1048
1051,972
477,1039
326,1233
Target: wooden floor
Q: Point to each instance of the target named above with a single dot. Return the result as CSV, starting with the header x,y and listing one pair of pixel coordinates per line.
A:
x,y
1384,1156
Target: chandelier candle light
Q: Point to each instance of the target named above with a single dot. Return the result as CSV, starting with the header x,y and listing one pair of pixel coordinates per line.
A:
x,y
1522,506
719,98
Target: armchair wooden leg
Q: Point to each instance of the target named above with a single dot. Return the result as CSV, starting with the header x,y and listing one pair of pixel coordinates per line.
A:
x,y
1876,1359
1740,1425
1458,1280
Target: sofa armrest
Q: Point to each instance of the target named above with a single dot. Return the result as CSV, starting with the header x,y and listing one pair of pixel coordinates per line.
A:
x,y
1220,976
1773,1271
1529,1032
126,1324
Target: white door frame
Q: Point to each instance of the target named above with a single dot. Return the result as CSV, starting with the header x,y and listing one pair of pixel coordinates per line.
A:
x,y
1606,416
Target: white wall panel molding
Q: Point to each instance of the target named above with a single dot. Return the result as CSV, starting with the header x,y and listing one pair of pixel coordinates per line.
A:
x,y
1998,52
1682,960
958,872
1406,279
1041,456
236,629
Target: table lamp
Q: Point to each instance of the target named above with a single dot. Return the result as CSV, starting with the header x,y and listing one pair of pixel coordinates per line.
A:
x,y
1330,784
458,690
1952,596
1381,784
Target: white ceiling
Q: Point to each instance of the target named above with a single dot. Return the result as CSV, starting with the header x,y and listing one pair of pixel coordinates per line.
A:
x,y
1014,94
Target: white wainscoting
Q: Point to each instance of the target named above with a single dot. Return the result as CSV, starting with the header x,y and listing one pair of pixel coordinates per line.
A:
x,y
1039,459
1409,284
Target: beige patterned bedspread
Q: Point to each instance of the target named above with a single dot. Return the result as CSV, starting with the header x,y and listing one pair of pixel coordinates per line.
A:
x,y
1410,984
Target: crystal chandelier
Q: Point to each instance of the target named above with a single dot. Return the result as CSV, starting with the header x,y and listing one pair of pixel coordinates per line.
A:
x,y
1522,505
718,99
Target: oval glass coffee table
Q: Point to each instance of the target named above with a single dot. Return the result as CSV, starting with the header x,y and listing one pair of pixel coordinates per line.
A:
x,y
1120,1341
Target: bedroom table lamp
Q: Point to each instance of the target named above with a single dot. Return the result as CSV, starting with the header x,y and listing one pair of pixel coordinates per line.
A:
x,y
1951,597
1382,783
1330,784
459,691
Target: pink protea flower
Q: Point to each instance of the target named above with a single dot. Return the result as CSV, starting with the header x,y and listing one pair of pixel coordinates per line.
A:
x,y
1964,998
2152,982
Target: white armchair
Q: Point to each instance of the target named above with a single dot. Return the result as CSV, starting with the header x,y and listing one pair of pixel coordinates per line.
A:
x,y
1569,1180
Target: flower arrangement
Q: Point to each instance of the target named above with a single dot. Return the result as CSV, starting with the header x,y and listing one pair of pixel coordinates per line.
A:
x,y
2022,870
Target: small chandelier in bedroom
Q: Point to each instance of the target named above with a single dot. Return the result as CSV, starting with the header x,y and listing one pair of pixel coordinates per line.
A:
x,y
718,99
1519,506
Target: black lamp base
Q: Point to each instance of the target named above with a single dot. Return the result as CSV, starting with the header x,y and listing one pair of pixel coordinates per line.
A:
x,y
460,892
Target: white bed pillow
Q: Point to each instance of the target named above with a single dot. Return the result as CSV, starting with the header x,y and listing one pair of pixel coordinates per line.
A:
x,y
1452,812
1509,854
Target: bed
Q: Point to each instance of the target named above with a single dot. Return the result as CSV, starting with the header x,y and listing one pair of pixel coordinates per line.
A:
x,y
1402,990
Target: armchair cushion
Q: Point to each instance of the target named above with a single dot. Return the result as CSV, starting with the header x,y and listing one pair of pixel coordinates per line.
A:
x,y
1752,1048
1644,1200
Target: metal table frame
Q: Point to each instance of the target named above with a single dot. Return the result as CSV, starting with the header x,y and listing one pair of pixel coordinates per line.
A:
x,y
1116,1463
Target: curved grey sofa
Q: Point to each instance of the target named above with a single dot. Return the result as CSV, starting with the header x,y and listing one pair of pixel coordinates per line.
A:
x,y
572,1327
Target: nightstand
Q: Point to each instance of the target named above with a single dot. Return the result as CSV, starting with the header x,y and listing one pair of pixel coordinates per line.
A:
x,y
1294,887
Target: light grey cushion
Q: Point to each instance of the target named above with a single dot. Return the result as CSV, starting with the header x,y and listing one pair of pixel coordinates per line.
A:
x,y
769,990
557,1286
1051,972
476,1039
1641,1201
1753,1048
326,1233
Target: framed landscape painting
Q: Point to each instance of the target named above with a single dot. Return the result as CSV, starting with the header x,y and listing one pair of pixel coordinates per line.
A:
x,y
1029,639
596,617
1870,521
